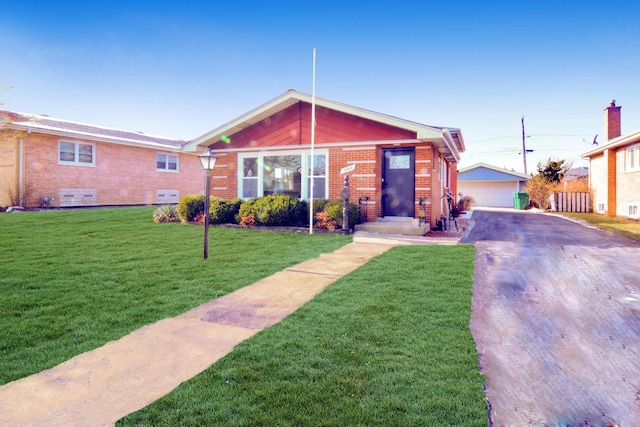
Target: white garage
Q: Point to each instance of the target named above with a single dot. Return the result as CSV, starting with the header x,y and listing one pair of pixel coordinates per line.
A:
x,y
490,186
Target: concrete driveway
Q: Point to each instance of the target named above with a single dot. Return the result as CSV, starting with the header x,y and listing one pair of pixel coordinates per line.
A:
x,y
555,316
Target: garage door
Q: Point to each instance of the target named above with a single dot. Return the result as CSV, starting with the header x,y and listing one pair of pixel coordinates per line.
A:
x,y
490,194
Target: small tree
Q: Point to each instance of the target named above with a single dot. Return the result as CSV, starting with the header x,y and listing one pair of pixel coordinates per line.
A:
x,y
548,179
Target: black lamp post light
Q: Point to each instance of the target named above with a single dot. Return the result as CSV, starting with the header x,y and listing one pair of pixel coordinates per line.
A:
x,y
208,162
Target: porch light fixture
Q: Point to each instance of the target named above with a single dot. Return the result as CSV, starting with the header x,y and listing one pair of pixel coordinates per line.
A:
x,y
208,162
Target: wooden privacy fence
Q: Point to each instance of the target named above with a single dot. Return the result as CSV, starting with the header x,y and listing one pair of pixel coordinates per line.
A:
x,y
571,202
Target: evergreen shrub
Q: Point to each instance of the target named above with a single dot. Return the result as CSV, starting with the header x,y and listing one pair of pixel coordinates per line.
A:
x,y
275,210
222,211
190,206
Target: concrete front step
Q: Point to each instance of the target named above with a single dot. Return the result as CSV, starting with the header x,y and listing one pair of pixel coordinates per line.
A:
x,y
395,225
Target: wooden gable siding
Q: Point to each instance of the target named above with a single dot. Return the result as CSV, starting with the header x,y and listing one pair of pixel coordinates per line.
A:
x,y
336,126
292,126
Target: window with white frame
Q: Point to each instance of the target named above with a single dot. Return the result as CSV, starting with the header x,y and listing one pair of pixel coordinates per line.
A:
x,y
166,162
282,173
319,174
633,211
633,158
76,153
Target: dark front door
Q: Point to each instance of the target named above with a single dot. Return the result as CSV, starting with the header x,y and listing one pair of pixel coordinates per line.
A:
x,y
398,182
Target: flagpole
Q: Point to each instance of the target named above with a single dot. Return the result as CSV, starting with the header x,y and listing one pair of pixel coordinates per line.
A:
x,y
313,137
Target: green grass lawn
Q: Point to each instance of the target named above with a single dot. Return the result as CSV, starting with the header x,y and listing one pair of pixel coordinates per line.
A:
x,y
618,225
388,345
72,280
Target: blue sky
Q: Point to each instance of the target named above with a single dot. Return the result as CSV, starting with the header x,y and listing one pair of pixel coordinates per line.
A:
x,y
180,69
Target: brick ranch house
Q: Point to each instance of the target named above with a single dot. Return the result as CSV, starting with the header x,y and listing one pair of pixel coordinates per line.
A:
x,y
614,169
402,168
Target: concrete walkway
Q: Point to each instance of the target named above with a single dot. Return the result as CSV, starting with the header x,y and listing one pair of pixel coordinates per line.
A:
x,y
99,387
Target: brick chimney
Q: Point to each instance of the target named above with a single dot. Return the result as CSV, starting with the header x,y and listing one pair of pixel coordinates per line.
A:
x,y
612,121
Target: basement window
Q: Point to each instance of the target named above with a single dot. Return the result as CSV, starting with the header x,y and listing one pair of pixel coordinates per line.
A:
x,y
633,211
76,153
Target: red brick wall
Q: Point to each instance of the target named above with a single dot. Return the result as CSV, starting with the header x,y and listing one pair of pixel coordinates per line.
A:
x,y
611,182
364,182
224,177
122,175
612,124
9,154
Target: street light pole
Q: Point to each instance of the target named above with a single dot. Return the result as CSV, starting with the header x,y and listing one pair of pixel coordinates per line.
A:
x,y
208,162
206,212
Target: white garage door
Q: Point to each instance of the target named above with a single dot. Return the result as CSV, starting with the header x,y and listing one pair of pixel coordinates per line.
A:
x,y
490,194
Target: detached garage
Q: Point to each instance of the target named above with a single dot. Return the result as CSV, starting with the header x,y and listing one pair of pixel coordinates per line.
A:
x,y
490,186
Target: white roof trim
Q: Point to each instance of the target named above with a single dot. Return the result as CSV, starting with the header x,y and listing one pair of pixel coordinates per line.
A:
x,y
494,168
222,149
628,139
90,136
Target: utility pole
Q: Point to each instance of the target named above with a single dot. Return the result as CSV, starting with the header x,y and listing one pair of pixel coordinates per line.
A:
x,y
524,148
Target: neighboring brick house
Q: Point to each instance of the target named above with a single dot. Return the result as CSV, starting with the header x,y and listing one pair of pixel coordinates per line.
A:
x,y
614,169
46,162
402,168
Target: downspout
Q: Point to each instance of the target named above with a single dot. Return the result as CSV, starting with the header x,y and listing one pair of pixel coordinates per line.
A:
x,y
21,170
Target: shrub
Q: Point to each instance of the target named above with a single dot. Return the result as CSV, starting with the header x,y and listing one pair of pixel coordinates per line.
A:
x,y
465,203
168,213
319,205
333,208
275,210
223,211
247,221
324,221
190,206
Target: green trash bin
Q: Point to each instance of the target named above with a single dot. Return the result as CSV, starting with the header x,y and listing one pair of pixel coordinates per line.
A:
x,y
520,201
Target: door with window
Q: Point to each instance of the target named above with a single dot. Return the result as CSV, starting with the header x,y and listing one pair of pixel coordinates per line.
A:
x,y
398,182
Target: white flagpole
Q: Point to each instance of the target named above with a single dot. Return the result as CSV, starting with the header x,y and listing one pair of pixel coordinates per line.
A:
x,y
313,137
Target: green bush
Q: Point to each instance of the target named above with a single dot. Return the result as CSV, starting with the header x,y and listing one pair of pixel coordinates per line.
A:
x,y
167,213
333,208
190,206
223,211
275,210
319,205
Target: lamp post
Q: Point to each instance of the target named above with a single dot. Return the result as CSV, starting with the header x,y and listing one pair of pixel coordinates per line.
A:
x,y
207,161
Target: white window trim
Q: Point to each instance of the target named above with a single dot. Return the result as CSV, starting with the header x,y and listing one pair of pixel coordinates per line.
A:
x,y
76,145
636,158
636,215
166,169
304,165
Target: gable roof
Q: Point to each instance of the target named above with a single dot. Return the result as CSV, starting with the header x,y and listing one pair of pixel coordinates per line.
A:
x,y
621,141
448,140
68,129
487,172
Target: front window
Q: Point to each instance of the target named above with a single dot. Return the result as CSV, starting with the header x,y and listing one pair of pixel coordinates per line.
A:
x,y
76,153
166,162
282,173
